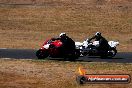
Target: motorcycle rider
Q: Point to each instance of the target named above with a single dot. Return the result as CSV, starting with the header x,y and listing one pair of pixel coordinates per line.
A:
x,y
103,43
68,43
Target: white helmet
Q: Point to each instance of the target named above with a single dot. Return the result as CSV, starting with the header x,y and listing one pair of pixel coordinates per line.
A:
x,y
97,34
62,34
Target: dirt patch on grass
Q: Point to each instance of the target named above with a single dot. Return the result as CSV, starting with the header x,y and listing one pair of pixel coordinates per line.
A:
x,y
54,74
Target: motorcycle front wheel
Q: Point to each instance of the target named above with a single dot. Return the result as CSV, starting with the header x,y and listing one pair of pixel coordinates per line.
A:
x,y
109,54
112,52
41,54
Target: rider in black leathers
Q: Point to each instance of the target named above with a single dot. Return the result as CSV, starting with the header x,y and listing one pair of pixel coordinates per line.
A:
x,y
103,43
68,43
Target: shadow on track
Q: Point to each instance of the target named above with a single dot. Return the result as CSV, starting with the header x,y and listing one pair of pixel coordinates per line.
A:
x,y
121,57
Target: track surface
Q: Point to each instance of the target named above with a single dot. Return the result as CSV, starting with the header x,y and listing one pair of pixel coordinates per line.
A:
x,y
121,57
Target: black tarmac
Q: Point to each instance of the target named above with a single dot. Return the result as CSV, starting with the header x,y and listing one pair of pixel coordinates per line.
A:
x,y
121,57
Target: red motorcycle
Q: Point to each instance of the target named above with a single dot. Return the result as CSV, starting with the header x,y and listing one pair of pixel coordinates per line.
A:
x,y
54,48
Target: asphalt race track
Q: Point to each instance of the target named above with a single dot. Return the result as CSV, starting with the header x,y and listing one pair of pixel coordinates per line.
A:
x,y
121,57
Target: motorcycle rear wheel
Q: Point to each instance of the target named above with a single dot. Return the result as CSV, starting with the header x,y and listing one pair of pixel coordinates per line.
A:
x,y
73,56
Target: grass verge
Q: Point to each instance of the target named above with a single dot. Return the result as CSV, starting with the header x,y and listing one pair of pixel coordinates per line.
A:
x,y
54,74
28,26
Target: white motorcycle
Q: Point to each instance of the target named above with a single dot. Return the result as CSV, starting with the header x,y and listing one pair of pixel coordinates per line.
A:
x,y
91,50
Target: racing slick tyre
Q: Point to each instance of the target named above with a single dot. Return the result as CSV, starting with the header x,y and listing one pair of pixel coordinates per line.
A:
x,y
41,54
112,52
77,54
72,56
